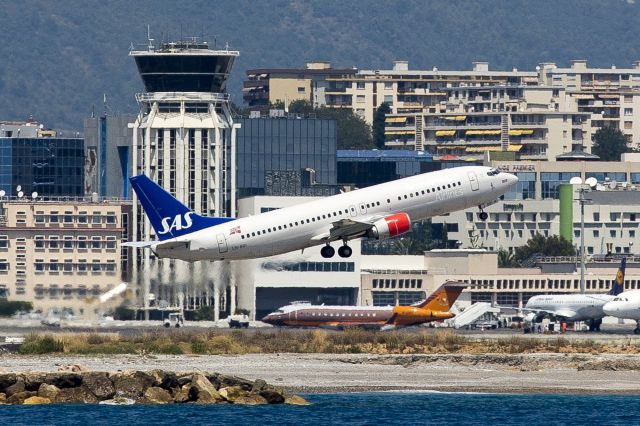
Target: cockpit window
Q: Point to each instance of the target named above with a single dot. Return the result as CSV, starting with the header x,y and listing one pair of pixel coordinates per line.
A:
x,y
279,311
617,299
493,172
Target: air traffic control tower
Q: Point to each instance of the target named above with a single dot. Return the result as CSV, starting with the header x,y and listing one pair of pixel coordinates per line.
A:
x,y
184,139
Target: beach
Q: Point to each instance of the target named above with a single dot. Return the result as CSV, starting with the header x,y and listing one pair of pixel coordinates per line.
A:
x,y
320,373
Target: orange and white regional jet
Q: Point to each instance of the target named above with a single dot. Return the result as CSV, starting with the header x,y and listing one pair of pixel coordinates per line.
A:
x,y
380,211
435,308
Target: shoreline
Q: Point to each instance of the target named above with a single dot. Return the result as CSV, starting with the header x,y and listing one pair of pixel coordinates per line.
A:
x,y
345,373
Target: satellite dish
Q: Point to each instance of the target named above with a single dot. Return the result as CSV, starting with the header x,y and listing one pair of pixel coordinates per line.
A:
x,y
19,188
576,180
2,193
20,194
34,195
592,182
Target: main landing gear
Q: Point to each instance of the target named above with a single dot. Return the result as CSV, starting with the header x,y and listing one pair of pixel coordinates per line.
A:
x,y
637,329
483,215
328,251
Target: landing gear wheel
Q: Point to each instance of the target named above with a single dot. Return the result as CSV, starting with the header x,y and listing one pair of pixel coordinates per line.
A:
x,y
483,216
345,251
327,252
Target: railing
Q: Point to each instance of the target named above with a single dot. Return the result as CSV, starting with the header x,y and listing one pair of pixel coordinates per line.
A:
x,y
180,96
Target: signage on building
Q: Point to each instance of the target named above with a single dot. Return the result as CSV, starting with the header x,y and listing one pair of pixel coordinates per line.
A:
x,y
511,168
512,207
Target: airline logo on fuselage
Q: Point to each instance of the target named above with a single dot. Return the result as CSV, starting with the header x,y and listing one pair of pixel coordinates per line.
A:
x,y
178,223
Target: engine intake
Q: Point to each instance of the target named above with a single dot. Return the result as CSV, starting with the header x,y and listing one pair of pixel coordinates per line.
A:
x,y
390,226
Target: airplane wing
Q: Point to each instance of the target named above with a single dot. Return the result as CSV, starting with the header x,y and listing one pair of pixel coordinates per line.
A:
x,y
561,313
347,228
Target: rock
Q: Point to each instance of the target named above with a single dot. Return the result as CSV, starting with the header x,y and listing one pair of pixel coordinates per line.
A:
x,y
156,395
17,387
258,385
32,381
182,394
165,380
232,393
118,400
76,395
36,400
63,380
72,368
99,384
272,396
7,380
251,399
184,379
205,391
19,397
131,385
221,381
3,398
48,391
296,400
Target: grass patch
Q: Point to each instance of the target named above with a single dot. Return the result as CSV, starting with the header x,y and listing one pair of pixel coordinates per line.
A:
x,y
176,342
36,344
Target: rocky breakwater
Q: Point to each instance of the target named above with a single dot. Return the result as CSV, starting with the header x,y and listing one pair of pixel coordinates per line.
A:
x,y
153,387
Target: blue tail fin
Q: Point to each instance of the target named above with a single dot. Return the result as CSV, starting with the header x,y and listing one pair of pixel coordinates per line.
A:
x,y
168,216
617,285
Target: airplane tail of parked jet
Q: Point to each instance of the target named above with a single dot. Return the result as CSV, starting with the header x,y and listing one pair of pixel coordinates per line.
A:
x,y
444,297
168,216
617,285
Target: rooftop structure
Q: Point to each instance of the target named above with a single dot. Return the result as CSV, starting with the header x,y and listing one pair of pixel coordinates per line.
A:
x,y
184,66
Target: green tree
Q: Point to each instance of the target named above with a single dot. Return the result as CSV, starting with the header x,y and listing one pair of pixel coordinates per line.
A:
x,y
554,245
505,259
609,144
378,124
353,131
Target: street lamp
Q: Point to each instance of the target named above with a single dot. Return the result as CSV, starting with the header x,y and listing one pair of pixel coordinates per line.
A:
x,y
591,183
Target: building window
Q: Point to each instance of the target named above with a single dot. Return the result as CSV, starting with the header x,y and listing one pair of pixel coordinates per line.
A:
x,y
360,85
4,242
39,217
38,241
96,218
628,111
82,217
628,124
68,217
388,99
301,90
388,85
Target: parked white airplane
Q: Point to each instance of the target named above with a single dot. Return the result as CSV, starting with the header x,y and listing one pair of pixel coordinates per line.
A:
x,y
626,305
379,211
576,307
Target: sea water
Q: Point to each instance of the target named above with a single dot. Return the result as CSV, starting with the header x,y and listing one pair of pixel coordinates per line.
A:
x,y
377,408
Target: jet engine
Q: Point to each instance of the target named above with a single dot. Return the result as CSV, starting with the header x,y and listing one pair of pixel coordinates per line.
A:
x,y
390,226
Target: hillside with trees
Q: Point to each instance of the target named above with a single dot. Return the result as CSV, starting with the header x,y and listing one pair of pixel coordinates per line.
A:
x,y
58,58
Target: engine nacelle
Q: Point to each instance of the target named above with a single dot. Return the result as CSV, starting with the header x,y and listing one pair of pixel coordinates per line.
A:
x,y
390,226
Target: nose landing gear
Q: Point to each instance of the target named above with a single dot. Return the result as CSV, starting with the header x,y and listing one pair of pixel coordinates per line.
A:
x,y
483,215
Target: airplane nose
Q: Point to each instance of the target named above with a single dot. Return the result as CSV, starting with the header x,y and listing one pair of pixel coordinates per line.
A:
x,y
511,179
609,308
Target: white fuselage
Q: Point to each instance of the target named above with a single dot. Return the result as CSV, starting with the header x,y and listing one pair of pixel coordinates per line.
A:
x,y
300,226
626,305
573,307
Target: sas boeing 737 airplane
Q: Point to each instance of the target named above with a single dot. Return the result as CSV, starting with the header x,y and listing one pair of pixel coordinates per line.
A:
x,y
434,308
380,211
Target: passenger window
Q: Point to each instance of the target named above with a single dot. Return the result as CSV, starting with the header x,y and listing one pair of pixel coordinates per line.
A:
x,y
423,192
253,234
388,201
399,198
428,191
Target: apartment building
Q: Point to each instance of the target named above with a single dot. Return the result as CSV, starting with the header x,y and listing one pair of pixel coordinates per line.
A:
x,y
313,83
363,91
62,254
610,95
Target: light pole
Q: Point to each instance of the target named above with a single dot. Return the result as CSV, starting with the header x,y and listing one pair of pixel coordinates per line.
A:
x,y
591,182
